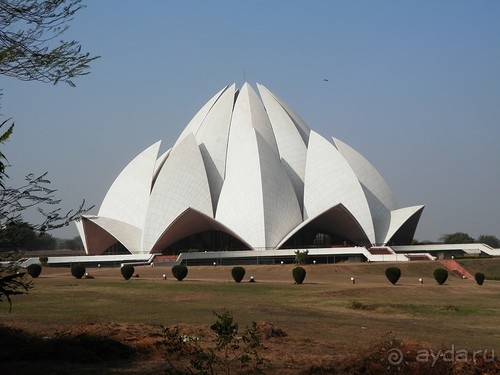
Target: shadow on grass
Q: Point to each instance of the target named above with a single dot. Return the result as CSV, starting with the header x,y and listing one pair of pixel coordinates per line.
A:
x,y
21,350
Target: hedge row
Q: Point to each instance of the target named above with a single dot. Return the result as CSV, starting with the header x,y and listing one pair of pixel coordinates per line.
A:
x,y
180,271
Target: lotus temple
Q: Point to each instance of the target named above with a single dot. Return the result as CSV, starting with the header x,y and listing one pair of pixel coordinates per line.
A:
x,y
248,179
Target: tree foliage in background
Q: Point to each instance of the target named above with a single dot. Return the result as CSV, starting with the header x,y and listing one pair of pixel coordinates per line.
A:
x,y
458,237
74,243
21,237
31,49
3,138
30,44
462,237
34,194
14,234
492,241
13,202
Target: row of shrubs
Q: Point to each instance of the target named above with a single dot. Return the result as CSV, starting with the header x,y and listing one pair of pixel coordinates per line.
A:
x,y
127,271
440,275
180,271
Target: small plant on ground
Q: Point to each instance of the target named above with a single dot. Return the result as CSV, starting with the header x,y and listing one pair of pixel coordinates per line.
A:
x,y
43,260
238,273
228,353
34,270
441,275
299,274
78,270
180,271
301,257
393,274
127,271
356,305
479,277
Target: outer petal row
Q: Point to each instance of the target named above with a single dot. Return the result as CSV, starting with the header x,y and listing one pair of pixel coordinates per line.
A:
x,y
252,168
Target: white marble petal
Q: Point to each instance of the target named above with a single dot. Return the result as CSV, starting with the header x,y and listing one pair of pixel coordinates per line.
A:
x,y
291,146
330,181
181,183
127,198
257,200
195,123
399,218
212,138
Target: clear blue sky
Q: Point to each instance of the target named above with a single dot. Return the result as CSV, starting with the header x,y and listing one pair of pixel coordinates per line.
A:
x,y
414,86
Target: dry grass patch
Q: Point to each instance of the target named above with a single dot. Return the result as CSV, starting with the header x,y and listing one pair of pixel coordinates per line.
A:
x,y
323,327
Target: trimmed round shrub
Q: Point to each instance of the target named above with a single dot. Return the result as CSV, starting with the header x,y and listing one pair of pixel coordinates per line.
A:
x,y
393,274
77,270
179,271
127,271
238,273
441,275
479,277
299,274
34,270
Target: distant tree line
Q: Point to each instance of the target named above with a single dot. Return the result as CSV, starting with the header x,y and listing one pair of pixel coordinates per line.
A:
x,y
462,237
20,236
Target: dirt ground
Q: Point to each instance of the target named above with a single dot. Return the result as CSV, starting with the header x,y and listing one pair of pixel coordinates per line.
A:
x,y
131,348
114,348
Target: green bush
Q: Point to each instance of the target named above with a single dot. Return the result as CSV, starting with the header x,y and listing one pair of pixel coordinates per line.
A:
x,y
127,271
299,274
179,271
479,277
301,256
393,274
229,351
34,270
77,270
238,273
441,275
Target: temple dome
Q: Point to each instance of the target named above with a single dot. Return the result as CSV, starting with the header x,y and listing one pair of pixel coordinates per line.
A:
x,y
247,173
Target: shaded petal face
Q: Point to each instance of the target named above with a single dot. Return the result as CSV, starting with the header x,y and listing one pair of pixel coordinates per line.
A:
x,y
251,169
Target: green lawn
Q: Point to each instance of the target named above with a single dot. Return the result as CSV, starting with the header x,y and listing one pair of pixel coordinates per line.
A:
x,y
327,308
489,266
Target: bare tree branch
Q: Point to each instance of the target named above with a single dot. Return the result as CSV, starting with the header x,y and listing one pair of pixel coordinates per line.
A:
x,y
28,47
